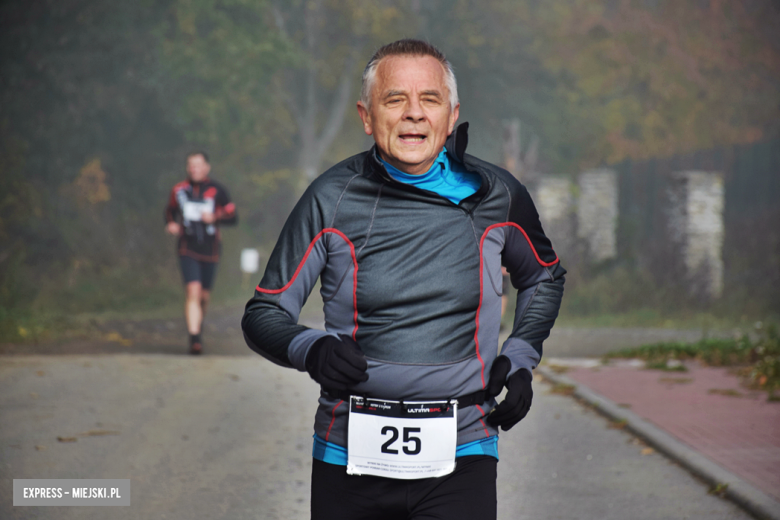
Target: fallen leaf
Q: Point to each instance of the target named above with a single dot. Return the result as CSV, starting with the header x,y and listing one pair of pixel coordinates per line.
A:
x,y
729,392
618,424
40,373
719,490
676,380
117,337
647,451
98,433
67,439
40,448
33,395
563,389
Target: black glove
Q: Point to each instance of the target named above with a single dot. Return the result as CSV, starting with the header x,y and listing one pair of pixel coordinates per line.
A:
x,y
517,402
336,364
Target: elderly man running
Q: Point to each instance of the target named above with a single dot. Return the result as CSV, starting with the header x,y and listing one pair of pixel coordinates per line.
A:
x,y
408,240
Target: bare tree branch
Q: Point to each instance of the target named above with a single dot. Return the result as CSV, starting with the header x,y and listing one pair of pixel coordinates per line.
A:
x,y
338,108
279,20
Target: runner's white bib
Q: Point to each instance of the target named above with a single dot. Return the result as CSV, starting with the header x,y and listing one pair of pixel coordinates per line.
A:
x,y
401,440
193,211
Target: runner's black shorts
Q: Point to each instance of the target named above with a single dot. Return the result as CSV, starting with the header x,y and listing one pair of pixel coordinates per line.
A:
x,y
468,493
196,271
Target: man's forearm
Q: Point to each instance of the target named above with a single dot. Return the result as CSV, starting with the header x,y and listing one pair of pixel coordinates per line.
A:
x,y
535,314
269,330
535,320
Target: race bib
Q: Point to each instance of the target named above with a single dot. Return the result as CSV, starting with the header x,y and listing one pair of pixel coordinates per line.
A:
x,y
193,211
401,440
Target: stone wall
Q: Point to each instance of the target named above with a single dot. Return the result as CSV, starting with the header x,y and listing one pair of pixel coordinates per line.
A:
x,y
597,214
580,216
695,201
554,199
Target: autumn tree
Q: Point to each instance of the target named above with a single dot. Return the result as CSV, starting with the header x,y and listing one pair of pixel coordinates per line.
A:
x,y
661,78
336,39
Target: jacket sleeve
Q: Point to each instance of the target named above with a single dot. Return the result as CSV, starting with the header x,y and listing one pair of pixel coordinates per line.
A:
x,y
270,321
536,273
225,209
172,210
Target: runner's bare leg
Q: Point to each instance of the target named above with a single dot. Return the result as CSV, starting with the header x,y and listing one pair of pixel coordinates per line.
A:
x,y
205,297
193,311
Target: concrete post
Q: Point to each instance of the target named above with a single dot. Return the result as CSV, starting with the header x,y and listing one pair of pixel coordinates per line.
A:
x,y
597,213
554,201
695,217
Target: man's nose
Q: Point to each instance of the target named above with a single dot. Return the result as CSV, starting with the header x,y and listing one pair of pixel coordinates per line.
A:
x,y
414,111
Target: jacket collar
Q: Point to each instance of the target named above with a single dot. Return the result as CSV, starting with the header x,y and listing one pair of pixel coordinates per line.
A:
x,y
456,148
458,141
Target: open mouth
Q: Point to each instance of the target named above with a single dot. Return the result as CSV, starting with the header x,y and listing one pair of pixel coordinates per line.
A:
x,y
413,138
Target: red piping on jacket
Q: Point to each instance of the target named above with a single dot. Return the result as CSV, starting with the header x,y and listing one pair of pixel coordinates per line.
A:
x,y
303,261
333,419
487,433
481,267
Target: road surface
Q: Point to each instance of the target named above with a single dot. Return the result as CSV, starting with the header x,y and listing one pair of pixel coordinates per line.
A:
x,y
230,437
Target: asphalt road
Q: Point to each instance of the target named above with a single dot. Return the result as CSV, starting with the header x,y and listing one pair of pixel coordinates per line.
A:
x,y
230,437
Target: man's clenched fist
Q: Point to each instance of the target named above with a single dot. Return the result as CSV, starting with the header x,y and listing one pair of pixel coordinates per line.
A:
x,y
336,363
518,398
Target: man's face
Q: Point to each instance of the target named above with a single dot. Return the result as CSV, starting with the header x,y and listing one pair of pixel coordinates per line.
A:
x,y
410,116
197,168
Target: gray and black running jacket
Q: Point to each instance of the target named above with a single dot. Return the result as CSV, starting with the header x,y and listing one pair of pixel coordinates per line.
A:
x,y
414,279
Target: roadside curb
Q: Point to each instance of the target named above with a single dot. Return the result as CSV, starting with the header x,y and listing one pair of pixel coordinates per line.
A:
x,y
747,496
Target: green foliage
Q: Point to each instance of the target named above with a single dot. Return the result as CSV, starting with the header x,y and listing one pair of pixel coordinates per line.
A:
x,y
100,100
19,324
765,374
217,60
665,366
610,291
712,351
662,78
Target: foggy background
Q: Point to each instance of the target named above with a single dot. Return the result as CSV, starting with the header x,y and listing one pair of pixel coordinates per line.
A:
x,y
100,101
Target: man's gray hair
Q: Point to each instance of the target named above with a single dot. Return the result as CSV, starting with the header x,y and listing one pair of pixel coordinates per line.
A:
x,y
407,47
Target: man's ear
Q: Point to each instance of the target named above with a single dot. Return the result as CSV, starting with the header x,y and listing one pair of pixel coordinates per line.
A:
x,y
454,117
365,116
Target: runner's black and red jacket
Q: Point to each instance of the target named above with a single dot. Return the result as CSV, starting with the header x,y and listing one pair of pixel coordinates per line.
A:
x,y
415,279
198,240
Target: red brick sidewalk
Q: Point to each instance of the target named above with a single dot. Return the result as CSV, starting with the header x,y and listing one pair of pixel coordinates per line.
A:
x,y
742,433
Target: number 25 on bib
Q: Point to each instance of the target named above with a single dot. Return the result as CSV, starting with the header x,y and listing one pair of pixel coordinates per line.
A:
x,y
401,440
